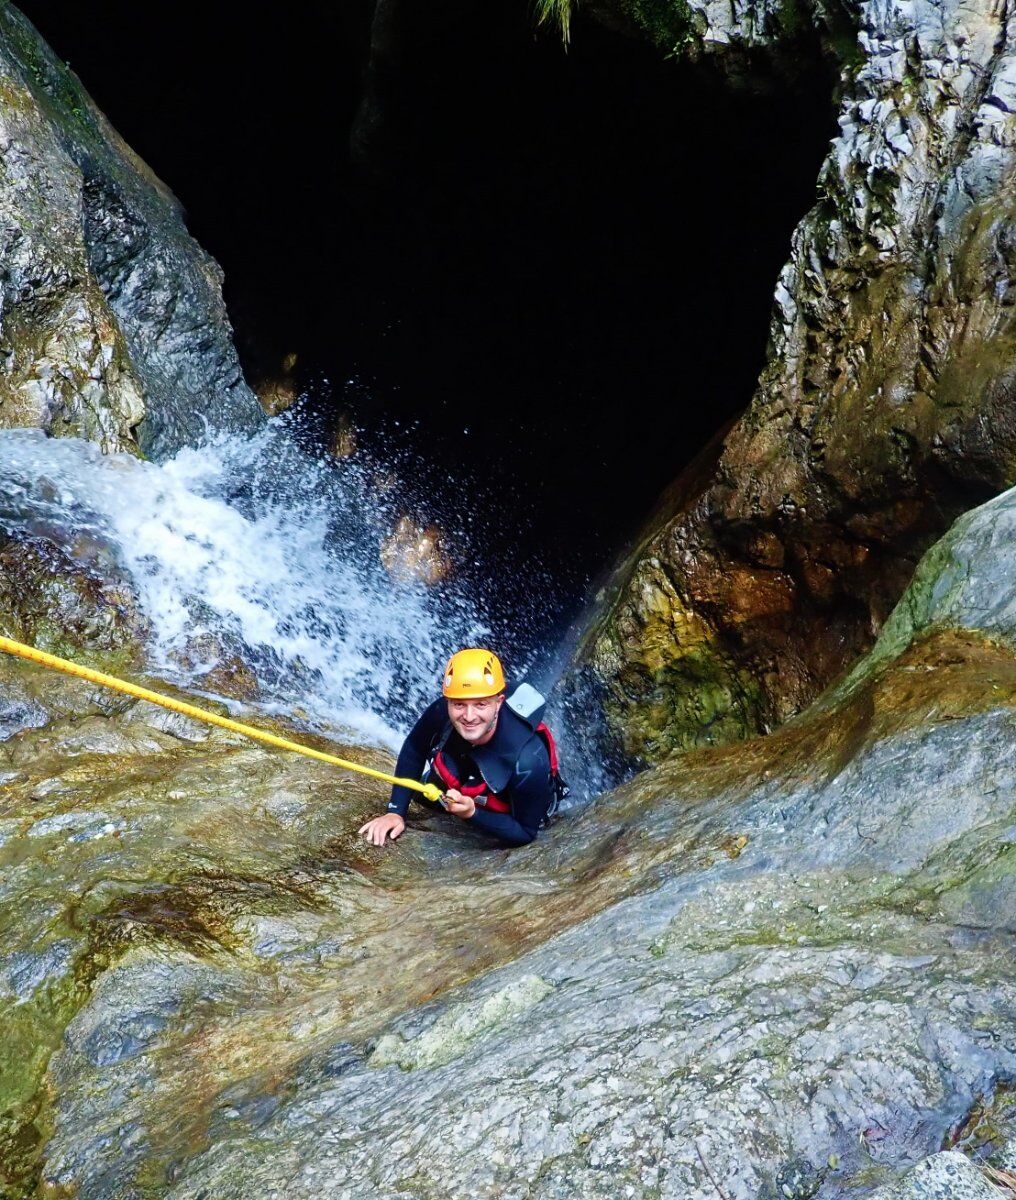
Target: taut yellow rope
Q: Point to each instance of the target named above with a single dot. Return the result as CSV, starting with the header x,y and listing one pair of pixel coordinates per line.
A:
x,y
199,714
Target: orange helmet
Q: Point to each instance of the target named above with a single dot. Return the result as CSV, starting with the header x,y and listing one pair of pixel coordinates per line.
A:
x,y
473,674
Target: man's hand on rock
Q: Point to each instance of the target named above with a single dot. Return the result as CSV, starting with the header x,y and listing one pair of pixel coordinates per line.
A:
x,y
390,825
459,805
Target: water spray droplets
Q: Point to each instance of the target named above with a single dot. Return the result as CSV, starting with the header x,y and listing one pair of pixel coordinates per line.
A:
x,y
253,546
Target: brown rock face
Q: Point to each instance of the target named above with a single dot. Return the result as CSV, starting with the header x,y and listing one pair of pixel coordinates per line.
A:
x,y
50,600
886,408
412,552
278,393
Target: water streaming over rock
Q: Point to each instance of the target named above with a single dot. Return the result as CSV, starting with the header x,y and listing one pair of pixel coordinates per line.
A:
x,y
259,546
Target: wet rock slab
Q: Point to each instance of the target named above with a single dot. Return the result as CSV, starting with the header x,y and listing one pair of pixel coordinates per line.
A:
x,y
782,969
793,1018
741,965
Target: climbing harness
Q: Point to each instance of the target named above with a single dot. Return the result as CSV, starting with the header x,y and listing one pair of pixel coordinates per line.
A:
x,y
479,793
428,790
482,795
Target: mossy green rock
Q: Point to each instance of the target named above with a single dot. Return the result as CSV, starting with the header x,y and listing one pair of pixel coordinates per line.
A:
x,y
50,601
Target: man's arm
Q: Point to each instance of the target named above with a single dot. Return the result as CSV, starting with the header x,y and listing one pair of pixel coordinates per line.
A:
x,y
411,762
413,755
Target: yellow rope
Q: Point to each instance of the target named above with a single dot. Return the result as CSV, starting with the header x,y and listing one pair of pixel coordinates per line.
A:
x,y
429,790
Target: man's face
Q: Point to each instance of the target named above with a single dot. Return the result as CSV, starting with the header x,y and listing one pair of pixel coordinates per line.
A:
x,y
475,720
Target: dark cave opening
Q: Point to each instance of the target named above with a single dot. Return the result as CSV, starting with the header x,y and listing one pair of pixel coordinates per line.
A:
x,y
549,274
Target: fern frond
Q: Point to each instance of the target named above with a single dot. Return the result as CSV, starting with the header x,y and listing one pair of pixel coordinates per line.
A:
x,y
556,12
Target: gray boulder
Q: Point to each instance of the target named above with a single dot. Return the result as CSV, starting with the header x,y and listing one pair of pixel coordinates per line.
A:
x,y
945,1176
966,581
112,324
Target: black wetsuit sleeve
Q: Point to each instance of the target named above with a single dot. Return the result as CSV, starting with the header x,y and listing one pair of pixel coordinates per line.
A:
x,y
530,793
414,754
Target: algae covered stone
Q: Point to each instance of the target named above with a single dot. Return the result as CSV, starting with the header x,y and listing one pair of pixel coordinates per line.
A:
x,y
50,600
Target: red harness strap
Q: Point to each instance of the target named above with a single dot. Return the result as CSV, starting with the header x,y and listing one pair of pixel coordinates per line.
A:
x,y
548,737
473,790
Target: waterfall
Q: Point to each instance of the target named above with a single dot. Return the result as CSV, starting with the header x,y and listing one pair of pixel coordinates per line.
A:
x,y
260,545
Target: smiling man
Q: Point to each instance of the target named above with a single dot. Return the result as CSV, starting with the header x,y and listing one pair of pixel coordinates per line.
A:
x,y
494,758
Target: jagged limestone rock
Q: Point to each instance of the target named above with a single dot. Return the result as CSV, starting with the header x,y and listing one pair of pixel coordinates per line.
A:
x,y
886,406
739,38
112,325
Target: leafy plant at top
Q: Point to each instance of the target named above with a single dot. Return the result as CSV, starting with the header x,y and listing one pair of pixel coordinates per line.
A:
x,y
556,12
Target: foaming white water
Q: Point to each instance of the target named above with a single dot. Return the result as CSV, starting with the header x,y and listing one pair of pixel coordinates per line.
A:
x,y
250,546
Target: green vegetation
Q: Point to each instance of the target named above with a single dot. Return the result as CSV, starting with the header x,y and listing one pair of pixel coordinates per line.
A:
x,y
667,23
556,12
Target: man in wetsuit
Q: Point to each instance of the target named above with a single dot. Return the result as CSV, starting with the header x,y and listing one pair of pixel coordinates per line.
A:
x,y
493,761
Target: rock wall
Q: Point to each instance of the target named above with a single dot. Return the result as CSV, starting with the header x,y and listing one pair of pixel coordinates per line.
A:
x,y
112,325
887,405
776,970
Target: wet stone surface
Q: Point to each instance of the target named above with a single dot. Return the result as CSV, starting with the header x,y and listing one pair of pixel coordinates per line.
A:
x,y
785,966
